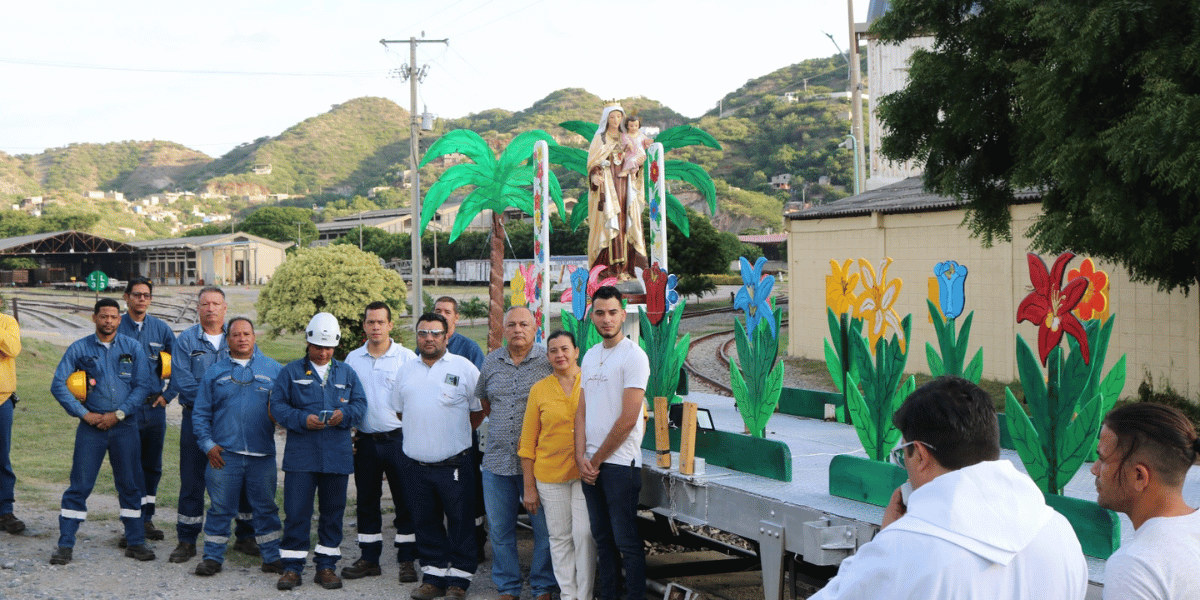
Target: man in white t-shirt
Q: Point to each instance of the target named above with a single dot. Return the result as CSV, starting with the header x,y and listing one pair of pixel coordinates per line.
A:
x,y
608,447
1145,451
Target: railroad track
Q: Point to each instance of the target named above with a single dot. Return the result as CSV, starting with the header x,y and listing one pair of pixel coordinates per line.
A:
x,y
722,354
45,306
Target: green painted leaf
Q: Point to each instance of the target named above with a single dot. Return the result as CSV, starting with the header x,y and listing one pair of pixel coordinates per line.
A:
x,y
1113,385
861,415
696,176
1034,385
677,214
974,371
1079,441
1025,439
585,129
571,159
684,135
738,385
964,335
834,365
520,149
461,141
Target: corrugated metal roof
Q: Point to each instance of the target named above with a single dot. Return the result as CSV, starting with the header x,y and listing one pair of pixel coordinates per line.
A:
x,y
902,197
89,242
770,238
204,240
21,240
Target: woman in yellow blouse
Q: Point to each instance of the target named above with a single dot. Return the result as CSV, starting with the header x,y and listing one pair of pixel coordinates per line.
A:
x,y
552,481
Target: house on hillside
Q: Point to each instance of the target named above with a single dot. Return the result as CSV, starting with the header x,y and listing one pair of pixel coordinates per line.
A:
x,y
782,181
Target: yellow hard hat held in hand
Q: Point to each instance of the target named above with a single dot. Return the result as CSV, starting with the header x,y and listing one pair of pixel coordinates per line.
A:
x,y
163,369
79,384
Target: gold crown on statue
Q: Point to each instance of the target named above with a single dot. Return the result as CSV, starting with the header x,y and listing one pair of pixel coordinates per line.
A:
x,y
614,103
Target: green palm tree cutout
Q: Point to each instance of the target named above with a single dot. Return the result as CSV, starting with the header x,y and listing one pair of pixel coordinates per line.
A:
x,y
500,183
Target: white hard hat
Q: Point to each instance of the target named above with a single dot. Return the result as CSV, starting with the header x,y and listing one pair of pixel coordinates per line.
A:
x,y
323,330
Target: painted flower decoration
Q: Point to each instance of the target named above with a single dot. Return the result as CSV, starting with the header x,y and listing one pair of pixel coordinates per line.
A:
x,y
656,293
877,303
952,279
518,288
839,287
594,281
537,251
654,210
654,171
672,296
530,278
583,285
1049,305
752,298
1094,304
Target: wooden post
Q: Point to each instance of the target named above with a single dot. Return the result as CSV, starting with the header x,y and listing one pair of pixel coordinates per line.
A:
x,y
662,436
687,440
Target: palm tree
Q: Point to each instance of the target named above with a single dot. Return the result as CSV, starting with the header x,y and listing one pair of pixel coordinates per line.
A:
x,y
500,183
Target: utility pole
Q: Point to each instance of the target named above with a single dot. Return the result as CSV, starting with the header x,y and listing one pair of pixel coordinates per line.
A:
x,y
856,126
414,75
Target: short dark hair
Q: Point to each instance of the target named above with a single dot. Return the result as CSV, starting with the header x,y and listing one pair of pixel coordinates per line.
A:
x,y
1159,435
954,416
210,288
376,305
101,303
229,326
563,333
607,292
452,301
433,317
139,281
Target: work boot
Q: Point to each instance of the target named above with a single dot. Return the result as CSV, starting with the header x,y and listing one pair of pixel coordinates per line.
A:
x,y
208,567
140,552
61,556
428,591
11,523
456,593
153,533
290,580
327,579
361,568
182,553
247,546
408,572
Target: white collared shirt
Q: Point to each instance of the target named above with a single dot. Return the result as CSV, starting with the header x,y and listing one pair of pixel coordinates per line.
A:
x,y
437,402
378,377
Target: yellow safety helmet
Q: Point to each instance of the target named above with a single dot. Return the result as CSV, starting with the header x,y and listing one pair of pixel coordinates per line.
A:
x,y
164,365
79,385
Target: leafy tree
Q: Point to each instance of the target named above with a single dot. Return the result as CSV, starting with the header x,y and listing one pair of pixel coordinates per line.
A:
x,y
707,251
206,229
13,224
1099,116
58,218
336,279
279,223
18,263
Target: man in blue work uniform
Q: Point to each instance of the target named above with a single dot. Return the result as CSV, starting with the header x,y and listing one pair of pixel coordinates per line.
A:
x,y
235,430
378,448
196,349
118,381
318,400
156,337
435,398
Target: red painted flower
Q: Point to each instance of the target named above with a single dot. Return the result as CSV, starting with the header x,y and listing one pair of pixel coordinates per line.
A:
x,y
1049,305
1094,304
656,293
654,172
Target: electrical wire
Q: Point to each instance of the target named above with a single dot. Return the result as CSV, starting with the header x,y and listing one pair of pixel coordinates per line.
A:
x,y
67,65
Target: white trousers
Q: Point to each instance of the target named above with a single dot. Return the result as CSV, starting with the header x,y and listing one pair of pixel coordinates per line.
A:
x,y
572,549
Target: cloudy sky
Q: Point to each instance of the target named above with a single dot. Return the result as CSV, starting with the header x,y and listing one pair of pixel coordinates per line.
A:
x,y
217,73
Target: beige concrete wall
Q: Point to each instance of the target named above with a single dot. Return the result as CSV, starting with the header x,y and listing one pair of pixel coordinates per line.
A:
x,y
1158,332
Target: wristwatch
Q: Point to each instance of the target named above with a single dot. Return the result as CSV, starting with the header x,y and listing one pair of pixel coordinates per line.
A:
x,y
120,414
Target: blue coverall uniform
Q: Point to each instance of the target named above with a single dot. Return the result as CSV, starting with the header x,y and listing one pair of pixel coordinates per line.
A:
x,y
156,337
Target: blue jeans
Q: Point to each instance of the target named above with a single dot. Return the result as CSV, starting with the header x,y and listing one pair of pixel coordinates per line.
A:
x,y
448,553
8,479
91,444
152,428
255,478
192,464
299,488
372,460
612,508
502,497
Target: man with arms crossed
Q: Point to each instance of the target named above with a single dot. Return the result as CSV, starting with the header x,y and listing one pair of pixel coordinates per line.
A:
x,y
237,434
156,338
434,399
196,349
973,526
378,448
1145,451
118,381
608,447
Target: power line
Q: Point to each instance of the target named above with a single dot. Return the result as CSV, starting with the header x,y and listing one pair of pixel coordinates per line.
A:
x,y
501,18
67,65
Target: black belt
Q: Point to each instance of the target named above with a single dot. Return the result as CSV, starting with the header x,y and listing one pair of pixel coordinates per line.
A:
x,y
453,461
151,398
385,436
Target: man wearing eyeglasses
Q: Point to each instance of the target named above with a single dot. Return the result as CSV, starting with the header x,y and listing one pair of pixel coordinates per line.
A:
x,y
973,526
435,399
236,433
156,338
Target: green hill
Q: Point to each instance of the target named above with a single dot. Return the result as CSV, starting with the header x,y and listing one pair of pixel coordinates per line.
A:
x,y
136,168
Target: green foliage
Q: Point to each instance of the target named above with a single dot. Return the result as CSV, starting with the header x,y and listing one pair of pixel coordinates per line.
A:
x,y
953,352
281,224
206,229
705,251
756,377
473,308
1098,115
696,285
665,351
584,331
9,264
839,352
1065,408
883,390
340,280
